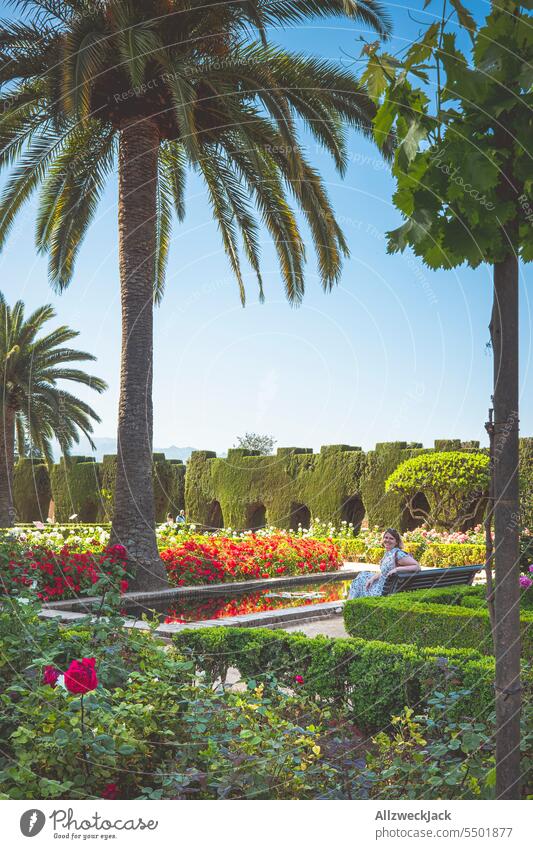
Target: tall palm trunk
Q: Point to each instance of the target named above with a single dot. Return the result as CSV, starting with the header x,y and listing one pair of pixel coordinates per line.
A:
x,y
134,515
7,454
504,334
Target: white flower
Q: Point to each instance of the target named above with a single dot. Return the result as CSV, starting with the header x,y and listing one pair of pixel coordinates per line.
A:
x,y
74,516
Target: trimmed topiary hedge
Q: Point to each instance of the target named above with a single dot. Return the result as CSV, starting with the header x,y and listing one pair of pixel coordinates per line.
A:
x,y
31,490
440,555
356,550
454,484
402,619
76,489
371,680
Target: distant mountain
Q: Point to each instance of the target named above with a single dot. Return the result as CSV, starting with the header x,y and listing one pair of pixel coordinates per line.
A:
x,y
175,453
106,445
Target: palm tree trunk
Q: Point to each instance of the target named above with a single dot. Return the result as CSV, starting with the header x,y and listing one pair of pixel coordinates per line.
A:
x,y
134,516
7,455
504,334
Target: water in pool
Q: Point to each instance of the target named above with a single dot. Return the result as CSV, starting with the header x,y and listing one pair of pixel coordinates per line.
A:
x,y
197,609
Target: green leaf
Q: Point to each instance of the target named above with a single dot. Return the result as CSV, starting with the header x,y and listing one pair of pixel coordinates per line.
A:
x,y
490,778
464,17
410,144
384,120
422,50
525,79
375,79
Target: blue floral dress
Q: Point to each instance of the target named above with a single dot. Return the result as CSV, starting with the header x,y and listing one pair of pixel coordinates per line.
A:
x,y
388,561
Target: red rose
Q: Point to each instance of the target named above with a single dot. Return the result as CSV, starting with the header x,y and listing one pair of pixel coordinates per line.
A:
x,y
50,675
110,791
123,586
80,677
298,679
118,550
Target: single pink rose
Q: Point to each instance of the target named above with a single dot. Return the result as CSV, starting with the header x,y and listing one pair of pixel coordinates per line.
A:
x,y
298,679
80,677
525,582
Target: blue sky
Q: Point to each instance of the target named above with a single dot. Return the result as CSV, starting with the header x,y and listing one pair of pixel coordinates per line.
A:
x,y
394,352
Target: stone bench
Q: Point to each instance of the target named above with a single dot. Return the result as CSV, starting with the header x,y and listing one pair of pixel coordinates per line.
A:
x,y
428,579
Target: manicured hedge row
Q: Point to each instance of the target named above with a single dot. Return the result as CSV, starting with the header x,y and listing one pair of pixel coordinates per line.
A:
x,y
370,679
474,596
432,554
357,550
441,555
399,618
31,490
76,489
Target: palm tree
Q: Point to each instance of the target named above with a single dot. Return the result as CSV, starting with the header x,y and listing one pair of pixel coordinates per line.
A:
x,y
159,87
33,408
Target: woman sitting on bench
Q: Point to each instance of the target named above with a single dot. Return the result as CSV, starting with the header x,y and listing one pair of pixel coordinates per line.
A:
x,y
394,561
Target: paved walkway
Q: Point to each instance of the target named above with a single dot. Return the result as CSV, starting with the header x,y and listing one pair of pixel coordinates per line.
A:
x,y
333,626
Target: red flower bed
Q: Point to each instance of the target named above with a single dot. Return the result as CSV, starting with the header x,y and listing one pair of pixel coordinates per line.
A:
x,y
221,559
54,576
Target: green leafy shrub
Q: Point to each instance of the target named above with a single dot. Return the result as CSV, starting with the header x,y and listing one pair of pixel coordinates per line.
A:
x,y
453,483
441,555
357,550
149,729
402,619
430,756
526,484
368,679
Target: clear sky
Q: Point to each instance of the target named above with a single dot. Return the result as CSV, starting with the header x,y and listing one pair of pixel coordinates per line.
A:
x,y
394,352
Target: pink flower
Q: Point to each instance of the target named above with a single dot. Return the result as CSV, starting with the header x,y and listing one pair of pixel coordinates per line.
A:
x,y
39,526
50,675
298,679
525,582
80,677
530,568
110,791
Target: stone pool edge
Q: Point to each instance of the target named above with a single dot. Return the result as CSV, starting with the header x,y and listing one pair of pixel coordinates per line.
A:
x,y
267,618
240,587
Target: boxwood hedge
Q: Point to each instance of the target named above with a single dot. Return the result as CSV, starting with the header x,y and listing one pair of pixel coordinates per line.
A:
x,y
426,621
369,679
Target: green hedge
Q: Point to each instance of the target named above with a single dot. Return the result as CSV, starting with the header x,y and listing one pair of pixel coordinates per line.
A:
x,y
369,679
76,489
434,554
467,596
453,554
31,490
356,550
399,618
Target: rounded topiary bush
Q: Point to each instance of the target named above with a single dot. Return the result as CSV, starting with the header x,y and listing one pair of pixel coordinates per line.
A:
x,y
454,484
